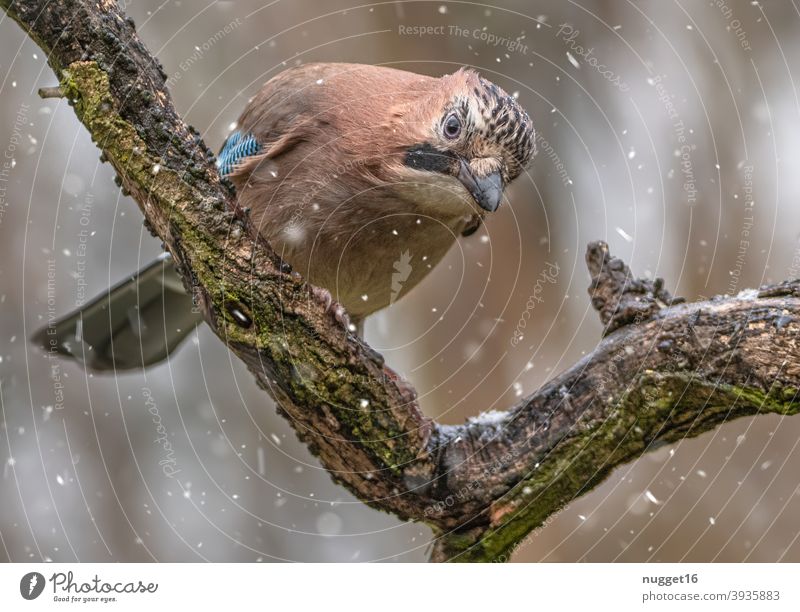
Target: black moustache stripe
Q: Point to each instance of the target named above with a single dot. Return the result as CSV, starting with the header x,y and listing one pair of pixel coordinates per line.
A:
x,y
426,157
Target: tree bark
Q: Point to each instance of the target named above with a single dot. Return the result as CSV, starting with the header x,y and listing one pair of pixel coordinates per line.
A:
x,y
665,369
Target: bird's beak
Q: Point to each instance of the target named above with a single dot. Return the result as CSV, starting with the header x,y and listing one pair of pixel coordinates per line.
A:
x,y
486,191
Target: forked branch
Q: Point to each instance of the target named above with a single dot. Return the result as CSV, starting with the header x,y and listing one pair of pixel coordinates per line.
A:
x,y
665,369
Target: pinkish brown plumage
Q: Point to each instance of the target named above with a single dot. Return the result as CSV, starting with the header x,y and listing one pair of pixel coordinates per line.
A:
x,y
356,171
361,177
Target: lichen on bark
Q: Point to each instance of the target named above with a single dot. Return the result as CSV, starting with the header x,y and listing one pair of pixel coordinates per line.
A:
x,y
482,488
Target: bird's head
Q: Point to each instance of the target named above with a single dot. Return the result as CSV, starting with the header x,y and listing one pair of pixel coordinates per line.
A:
x,y
466,132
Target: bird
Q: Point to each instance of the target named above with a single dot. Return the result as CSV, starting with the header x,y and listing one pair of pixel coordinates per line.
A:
x,y
360,177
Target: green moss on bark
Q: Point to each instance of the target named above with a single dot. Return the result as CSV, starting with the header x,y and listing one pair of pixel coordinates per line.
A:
x,y
284,340
659,408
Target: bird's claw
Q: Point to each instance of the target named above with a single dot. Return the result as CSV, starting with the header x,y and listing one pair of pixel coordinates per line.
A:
x,y
324,297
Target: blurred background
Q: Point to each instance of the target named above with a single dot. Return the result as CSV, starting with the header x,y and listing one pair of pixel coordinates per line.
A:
x,y
667,129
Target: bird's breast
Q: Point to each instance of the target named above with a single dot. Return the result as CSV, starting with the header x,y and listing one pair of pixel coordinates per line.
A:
x,y
368,252
436,195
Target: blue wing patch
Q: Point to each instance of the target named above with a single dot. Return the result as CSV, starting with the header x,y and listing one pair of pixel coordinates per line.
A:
x,y
237,147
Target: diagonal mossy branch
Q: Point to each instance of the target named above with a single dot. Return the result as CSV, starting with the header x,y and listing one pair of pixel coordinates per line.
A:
x,y
664,371
356,414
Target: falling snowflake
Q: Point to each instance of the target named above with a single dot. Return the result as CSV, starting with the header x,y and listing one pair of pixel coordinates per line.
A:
x,y
572,60
624,234
652,498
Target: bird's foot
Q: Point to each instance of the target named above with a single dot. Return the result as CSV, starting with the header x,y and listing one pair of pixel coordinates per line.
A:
x,y
324,297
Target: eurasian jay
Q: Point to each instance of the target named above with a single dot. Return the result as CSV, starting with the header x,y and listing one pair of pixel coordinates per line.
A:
x,y
360,177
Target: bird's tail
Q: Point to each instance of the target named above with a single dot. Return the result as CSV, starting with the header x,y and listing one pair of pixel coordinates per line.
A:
x,y
132,325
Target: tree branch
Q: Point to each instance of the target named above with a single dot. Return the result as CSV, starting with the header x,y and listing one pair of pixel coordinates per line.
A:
x,y
664,371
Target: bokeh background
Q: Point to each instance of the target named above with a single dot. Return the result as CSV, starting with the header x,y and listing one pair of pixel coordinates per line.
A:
x,y
681,152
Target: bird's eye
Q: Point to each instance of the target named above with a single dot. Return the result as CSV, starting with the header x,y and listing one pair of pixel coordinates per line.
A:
x,y
452,127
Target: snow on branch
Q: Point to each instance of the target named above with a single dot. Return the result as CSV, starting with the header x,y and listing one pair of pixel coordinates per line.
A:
x,y
664,370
